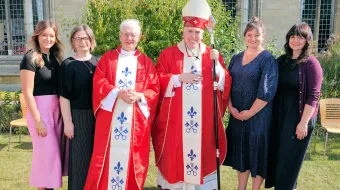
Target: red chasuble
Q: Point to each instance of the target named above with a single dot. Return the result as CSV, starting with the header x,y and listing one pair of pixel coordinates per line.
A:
x,y
167,135
103,83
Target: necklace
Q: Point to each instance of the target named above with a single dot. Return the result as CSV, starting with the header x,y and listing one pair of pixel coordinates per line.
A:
x,y
193,54
87,67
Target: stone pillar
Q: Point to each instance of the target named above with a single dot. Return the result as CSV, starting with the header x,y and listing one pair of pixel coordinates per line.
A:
x,y
317,24
336,23
28,19
8,29
47,10
242,13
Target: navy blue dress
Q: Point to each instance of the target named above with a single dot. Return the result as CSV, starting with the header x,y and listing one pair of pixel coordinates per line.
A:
x,y
247,145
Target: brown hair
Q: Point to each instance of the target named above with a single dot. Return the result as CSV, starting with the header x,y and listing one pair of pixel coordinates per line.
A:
x,y
56,49
300,29
254,23
88,31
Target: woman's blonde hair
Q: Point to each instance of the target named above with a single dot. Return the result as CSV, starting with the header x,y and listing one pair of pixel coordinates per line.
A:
x,y
88,31
34,46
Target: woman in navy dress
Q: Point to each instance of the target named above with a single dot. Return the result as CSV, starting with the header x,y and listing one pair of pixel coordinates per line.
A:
x,y
296,108
255,75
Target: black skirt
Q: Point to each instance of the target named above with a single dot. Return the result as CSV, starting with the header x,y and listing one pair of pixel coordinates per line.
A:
x,y
81,147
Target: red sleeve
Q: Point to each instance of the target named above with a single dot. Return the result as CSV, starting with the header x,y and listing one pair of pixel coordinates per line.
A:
x,y
151,91
101,84
163,72
227,84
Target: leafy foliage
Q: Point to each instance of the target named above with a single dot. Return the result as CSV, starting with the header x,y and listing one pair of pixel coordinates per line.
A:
x,y
161,22
9,109
330,62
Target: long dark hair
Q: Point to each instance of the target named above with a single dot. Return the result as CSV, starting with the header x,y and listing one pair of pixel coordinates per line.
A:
x,y
300,29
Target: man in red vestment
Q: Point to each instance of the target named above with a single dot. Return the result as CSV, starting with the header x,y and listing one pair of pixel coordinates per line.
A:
x,y
183,136
125,96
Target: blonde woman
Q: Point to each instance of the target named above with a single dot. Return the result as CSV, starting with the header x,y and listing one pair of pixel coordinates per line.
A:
x,y
76,104
39,75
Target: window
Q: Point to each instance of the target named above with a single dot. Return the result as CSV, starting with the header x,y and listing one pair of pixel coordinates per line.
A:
x,y
3,28
38,11
12,24
231,5
325,22
17,26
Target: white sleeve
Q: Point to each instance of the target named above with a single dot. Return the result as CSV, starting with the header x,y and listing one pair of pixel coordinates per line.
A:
x,y
173,83
220,73
108,102
143,105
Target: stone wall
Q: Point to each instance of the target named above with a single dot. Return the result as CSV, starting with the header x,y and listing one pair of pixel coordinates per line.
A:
x,y
278,17
337,17
70,9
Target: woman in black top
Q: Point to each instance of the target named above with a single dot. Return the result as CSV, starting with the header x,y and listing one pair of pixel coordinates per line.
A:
x,y
296,108
38,75
76,104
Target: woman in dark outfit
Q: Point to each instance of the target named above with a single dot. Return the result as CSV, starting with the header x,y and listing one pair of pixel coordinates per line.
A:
x,y
296,107
39,81
76,104
254,73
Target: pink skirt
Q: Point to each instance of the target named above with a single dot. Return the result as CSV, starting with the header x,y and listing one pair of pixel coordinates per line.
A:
x,y
46,160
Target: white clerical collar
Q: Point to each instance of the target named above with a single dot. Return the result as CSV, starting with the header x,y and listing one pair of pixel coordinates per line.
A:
x,y
182,48
127,53
193,52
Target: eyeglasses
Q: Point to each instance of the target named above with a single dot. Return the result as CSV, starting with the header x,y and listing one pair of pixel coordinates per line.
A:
x,y
78,39
132,35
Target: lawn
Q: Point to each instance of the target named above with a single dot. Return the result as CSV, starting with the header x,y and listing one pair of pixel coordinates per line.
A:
x,y
318,173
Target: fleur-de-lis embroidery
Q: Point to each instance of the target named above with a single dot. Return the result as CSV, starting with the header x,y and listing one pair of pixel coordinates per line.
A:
x,y
194,71
120,132
191,155
126,71
122,118
124,85
192,112
118,168
117,183
192,169
191,126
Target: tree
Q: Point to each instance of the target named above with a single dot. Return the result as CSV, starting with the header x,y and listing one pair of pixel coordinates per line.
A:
x,y
161,22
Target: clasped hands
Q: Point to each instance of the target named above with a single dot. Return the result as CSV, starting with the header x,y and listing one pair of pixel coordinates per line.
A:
x,y
242,116
129,96
191,78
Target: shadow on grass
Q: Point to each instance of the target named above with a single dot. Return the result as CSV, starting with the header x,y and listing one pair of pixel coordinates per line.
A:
x,y
24,146
2,146
151,188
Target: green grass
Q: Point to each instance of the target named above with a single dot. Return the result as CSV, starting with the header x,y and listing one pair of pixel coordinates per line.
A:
x,y
318,173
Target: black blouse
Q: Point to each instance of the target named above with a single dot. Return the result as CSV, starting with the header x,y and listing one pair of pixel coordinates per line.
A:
x,y
46,77
76,82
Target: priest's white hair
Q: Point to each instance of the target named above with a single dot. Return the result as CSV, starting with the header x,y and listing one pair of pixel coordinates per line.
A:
x,y
133,23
